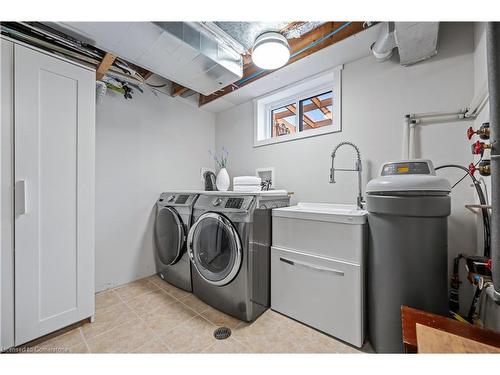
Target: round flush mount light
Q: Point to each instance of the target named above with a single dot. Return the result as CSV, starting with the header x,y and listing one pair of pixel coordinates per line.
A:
x,y
270,50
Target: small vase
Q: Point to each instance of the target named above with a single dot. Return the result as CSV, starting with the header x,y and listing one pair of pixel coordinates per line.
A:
x,y
222,180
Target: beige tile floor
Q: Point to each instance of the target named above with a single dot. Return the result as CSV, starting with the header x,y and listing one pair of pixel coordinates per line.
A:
x,y
151,316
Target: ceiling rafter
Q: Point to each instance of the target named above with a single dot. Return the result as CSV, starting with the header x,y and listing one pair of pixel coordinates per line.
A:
x,y
178,89
298,49
104,65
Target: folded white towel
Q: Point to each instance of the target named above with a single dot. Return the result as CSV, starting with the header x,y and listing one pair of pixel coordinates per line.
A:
x,y
247,180
246,188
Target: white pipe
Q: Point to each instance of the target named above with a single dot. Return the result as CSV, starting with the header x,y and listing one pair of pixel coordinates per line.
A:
x,y
441,119
478,101
475,111
422,119
435,114
406,141
411,142
431,118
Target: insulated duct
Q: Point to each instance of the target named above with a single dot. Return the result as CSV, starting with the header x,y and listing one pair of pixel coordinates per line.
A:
x,y
415,41
386,42
184,52
493,60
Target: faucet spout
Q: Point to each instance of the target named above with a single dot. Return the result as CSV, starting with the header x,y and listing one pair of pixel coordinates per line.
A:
x,y
358,168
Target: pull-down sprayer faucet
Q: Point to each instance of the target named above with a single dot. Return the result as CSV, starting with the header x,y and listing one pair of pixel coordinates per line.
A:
x,y
357,168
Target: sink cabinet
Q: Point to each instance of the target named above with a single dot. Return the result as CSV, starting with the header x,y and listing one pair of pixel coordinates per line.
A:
x,y
317,268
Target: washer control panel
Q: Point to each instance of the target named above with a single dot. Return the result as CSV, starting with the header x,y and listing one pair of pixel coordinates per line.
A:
x,y
174,199
234,203
224,203
217,201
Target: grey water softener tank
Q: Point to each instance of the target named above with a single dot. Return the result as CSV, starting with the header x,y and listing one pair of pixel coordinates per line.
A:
x,y
408,206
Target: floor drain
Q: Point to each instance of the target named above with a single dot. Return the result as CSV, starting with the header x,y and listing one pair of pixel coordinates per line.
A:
x,y
222,333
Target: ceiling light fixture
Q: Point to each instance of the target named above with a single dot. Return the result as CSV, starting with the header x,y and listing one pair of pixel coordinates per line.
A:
x,y
270,50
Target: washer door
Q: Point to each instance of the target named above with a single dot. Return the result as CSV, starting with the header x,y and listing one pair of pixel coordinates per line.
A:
x,y
170,235
214,247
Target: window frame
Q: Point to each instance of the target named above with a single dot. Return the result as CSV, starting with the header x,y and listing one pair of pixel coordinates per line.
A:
x,y
330,80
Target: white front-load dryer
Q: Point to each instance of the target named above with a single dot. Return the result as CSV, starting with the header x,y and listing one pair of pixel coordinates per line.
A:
x,y
172,224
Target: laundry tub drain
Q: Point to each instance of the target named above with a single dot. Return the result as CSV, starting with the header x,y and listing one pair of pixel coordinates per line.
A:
x,y
222,333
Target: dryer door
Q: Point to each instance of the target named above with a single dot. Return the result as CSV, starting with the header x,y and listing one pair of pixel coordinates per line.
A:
x,y
170,235
214,247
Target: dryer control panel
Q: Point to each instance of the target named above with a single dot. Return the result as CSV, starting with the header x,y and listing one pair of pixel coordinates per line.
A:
x,y
234,203
176,199
224,203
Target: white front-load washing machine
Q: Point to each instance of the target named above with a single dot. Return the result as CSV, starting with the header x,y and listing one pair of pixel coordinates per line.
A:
x,y
172,224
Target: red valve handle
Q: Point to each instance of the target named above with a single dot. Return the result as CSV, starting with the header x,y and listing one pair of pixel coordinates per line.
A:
x,y
472,169
477,148
470,132
489,264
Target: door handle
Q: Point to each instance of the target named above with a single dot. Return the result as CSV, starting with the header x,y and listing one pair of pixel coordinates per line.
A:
x,y
20,202
311,266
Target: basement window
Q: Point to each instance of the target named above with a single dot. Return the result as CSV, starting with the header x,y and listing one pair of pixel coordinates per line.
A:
x,y
305,109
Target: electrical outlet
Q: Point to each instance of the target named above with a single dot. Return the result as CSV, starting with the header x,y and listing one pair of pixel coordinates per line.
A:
x,y
203,170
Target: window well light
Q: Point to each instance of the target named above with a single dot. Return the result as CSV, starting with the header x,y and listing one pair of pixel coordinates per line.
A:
x,y
270,50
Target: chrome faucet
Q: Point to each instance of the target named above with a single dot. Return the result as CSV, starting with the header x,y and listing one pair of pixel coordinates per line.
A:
x,y
357,168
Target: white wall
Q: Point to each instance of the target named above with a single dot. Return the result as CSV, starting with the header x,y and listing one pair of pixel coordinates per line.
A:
x,y
375,98
144,146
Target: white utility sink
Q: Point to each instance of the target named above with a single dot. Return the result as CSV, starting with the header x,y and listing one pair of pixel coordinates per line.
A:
x,y
317,267
339,213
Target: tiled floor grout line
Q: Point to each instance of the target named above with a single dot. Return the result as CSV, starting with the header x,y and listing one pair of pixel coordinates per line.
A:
x,y
84,339
199,314
175,299
110,329
142,320
202,316
108,307
178,300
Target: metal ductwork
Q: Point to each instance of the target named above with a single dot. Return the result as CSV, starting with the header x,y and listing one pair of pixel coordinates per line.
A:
x,y
185,52
384,46
493,59
415,41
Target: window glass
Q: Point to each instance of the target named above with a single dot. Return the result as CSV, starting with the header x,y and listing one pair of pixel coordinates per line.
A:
x,y
214,249
283,120
316,111
304,109
168,242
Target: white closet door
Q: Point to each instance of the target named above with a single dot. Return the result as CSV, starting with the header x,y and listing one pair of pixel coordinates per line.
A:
x,y
6,194
54,193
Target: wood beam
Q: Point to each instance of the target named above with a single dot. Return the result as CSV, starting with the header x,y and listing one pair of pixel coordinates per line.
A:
x,y
104,66
306,108
147,75
307,119
178,89
296,46
322,108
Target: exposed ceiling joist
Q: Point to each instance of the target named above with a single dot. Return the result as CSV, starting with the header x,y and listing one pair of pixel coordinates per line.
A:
x,y
304,46
104,65
178,89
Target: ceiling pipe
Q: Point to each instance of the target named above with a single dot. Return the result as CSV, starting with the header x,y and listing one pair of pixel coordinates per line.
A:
x,y
384,46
